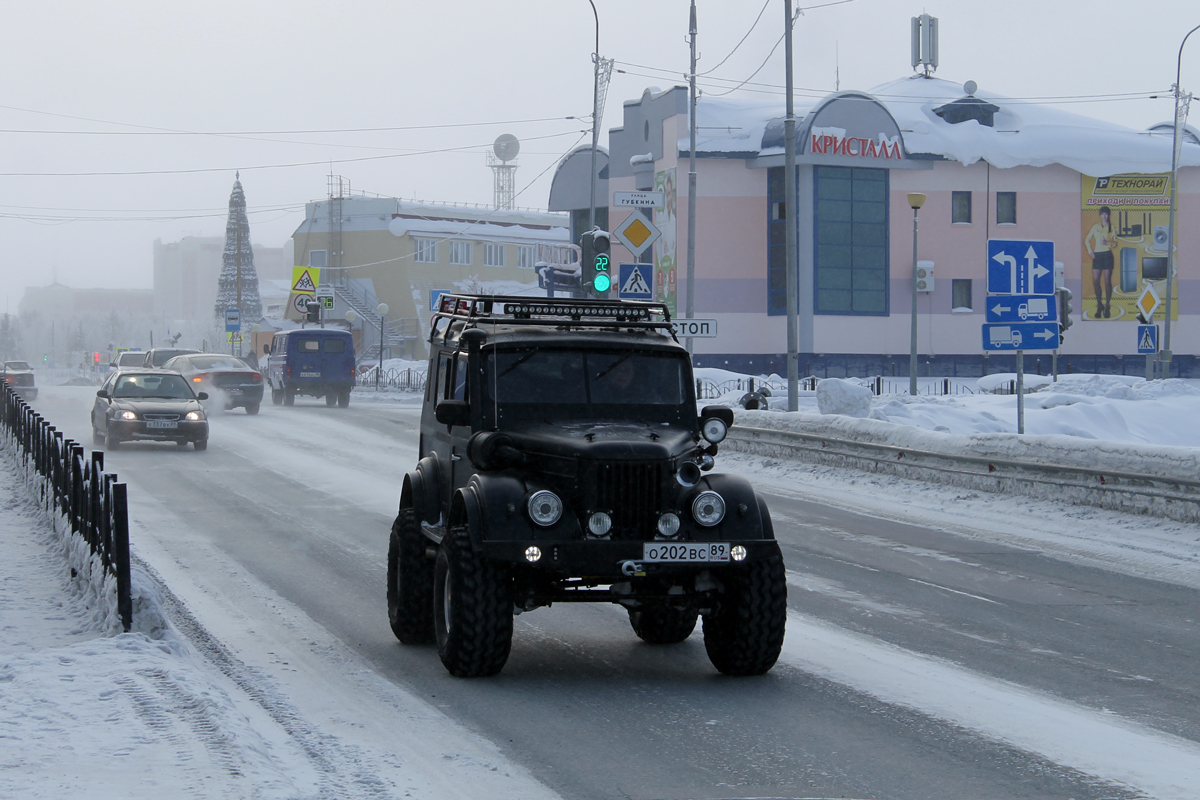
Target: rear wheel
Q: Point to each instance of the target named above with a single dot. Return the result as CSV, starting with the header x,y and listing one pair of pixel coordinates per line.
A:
x,y
662,623
276,396
410,582
744,633
252,408
331,399
472,608
343,398
289,397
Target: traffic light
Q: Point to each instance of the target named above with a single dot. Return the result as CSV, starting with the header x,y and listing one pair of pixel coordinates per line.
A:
x,y
95,358
601,277
314,311
1064,312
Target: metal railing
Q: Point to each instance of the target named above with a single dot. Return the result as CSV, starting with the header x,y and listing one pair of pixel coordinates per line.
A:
x,y
1173,496
78,488
709,389
406,380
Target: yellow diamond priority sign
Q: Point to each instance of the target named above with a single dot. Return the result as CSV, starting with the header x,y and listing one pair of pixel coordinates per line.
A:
x,y
1148,302
637,233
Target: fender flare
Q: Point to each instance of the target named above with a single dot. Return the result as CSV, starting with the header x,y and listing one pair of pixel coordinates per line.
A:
x,y
493,506
738,493
421,489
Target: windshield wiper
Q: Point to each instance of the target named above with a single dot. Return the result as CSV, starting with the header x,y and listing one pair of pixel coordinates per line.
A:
x,y
518,363
614,365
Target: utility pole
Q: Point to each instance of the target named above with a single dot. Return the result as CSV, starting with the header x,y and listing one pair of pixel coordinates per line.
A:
x,y
595,121
1176,142
691,239
789,216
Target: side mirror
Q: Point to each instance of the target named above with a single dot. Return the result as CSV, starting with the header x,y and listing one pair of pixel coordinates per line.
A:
x,y
453,413
102,393
202,396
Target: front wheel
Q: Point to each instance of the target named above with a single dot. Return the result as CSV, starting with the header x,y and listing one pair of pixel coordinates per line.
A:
x,y
252,408
200,444
472,608
409,582
744,633
662,623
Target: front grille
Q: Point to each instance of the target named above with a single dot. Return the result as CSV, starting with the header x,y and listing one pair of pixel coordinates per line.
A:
x,y
162,417
632,493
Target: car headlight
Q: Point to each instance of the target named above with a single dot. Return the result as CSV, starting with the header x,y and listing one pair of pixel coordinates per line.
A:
x,y
708,509
545,508
193,415
668,525
128,415
714,430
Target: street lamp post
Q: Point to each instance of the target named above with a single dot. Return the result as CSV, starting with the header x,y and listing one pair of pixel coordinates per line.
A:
x,y
1165,355
381,310
595,122
915,200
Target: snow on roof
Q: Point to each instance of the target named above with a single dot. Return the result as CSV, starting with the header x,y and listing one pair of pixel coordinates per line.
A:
x,y
484,231
1024,134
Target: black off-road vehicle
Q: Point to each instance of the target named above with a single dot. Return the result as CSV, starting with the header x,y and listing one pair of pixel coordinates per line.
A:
x,y
562,460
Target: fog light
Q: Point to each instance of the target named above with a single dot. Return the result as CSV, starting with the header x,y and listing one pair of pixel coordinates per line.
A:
x,y
545,508
708,509
534,554
668,525
599,524
737,553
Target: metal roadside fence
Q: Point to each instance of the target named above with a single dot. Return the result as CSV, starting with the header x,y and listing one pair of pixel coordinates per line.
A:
x,y
77,487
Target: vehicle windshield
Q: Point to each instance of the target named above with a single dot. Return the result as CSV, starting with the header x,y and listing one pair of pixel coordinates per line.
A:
x,y
172,387
586,383
131,359
16,365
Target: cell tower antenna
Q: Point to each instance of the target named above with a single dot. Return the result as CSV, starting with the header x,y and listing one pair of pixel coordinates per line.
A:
x,y
925,44
502,160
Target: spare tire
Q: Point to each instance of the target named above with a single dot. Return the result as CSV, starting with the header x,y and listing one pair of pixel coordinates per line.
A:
x,y
754,400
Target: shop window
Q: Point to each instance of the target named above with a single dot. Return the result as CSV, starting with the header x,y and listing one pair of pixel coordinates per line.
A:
x,y
960,207
960,290
850,233
1006,208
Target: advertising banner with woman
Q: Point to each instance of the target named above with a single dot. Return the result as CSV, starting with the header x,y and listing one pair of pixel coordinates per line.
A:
x,y
1125,219
664,250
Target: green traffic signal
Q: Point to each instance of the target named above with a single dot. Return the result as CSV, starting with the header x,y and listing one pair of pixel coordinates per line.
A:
x,y
601,281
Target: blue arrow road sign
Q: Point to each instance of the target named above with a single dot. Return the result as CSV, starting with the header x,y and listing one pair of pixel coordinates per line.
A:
x,y
1147,339
1022,308
1021,336
1020,267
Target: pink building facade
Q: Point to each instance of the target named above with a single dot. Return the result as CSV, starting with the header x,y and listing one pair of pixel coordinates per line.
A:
x,y
990,169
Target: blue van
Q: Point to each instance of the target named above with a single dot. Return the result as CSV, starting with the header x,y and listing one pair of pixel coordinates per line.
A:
x,y
314,361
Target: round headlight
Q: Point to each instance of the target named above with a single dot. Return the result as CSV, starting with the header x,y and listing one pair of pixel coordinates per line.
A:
x,y
192,415
708,509
668,525
545,508
713,430
128,415
599,524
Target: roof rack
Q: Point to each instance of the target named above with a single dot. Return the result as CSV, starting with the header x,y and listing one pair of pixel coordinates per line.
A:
x,y
554,311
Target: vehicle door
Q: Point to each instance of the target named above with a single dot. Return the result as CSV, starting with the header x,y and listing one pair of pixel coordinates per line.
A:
x,y
438,442
275,361
459,386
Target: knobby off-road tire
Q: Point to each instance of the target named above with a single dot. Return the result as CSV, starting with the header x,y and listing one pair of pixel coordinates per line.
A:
x,y
744,634
472,608
409,582
663,623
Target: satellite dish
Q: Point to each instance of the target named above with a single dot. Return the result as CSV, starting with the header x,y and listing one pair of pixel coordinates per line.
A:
x,y
506,147
970,87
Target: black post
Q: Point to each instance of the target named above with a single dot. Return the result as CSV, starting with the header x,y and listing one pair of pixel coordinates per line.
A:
x,y
121,554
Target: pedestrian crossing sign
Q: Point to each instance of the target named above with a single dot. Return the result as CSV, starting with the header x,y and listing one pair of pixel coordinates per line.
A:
x,y
1147,339
637,282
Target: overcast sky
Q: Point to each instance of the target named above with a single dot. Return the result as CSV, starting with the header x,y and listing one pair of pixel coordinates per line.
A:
x,y
122,122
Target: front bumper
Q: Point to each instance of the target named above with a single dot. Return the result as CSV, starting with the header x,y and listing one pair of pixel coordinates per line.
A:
x,y
595,558
134,430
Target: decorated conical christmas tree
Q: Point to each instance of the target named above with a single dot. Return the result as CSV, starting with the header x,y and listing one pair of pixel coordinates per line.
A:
x,y
238,261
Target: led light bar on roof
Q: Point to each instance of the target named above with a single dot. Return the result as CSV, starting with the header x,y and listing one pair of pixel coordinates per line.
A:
x,y
577,311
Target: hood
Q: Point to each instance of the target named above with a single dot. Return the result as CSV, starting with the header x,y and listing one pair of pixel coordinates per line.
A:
x,y
615,440
157,405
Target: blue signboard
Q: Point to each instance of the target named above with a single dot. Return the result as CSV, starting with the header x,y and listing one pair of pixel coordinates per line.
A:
x,y
637,282
1022,308
1020,267
233,320
1015,336
435,297
1147,339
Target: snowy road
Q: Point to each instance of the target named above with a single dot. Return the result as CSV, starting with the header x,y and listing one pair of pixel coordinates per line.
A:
x,y
951,656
